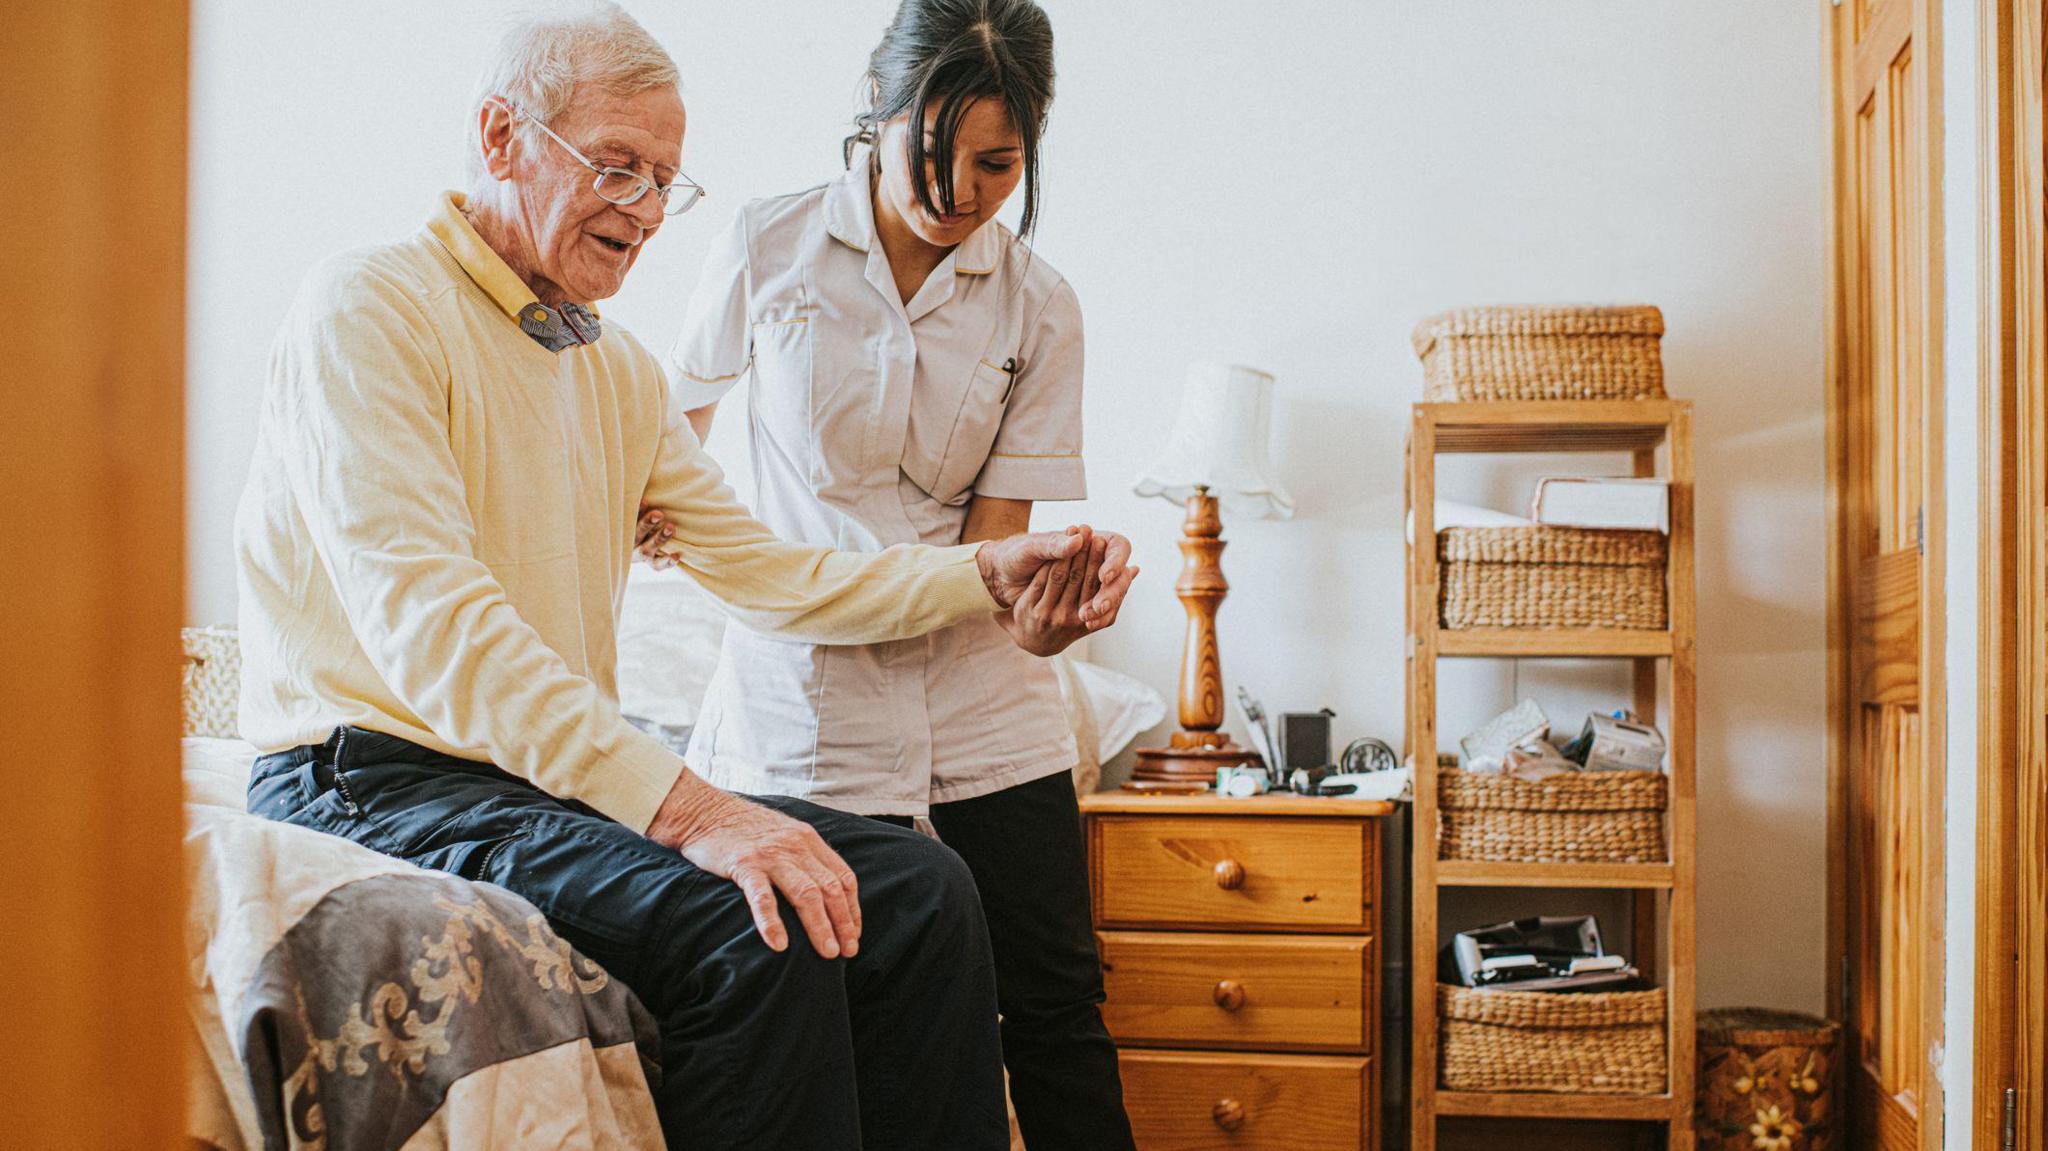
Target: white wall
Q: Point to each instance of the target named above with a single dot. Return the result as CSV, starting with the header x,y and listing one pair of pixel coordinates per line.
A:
x,y
1954,1058
1289,185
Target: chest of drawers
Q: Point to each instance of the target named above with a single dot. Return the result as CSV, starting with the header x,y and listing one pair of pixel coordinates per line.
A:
x,y
1240,955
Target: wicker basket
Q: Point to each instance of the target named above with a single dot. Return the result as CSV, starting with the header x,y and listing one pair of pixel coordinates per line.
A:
x,y
212,680
1767,1079
1552,577
1595,1043
1542,353
1584,817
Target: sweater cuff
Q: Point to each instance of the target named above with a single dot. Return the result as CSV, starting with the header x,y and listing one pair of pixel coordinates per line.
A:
x,y
961,589
632,784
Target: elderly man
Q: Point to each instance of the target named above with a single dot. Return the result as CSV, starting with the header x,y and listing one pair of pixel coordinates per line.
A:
x,y
432,550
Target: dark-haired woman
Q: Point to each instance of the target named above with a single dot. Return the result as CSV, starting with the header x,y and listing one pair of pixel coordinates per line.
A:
x,y
916,378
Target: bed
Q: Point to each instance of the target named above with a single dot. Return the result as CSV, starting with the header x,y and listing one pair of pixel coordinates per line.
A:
x,y
345,1001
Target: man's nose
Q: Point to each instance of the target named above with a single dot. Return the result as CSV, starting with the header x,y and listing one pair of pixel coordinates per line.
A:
x,y
645,211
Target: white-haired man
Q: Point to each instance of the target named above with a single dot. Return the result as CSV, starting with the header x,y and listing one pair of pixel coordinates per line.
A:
x,y
432,548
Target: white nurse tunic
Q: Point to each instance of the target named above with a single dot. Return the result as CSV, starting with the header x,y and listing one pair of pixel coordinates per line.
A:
x,y
873,423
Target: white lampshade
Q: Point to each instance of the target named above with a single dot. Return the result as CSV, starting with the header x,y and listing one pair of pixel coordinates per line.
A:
x,y
1219,442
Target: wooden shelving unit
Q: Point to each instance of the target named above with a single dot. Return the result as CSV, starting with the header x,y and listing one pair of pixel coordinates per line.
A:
x,y
1658,434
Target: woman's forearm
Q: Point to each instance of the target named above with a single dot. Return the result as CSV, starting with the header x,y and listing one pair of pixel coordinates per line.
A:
x,y
700,420
989,518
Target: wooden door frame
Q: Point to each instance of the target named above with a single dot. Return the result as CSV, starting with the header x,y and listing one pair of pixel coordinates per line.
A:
x,y
2012,760
1841,557
91,826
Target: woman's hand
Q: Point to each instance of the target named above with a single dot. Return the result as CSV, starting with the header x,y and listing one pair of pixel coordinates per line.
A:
x,y
1068,598
653,531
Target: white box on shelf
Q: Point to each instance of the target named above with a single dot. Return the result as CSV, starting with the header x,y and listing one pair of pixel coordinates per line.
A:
x,y
1603,502
1622,745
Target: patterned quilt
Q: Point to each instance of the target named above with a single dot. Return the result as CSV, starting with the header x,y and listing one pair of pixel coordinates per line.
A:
x,y
347,1001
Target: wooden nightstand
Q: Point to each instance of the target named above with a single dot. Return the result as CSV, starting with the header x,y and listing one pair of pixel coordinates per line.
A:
x,y
1240,952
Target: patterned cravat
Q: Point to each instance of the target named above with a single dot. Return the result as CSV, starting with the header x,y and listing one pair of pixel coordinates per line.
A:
x,y
555,329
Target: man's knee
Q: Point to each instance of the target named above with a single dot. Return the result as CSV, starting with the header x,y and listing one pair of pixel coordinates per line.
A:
x,y
918,899
941,909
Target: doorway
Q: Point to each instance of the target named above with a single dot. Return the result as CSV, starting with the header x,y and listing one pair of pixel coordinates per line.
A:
x,y
1885,606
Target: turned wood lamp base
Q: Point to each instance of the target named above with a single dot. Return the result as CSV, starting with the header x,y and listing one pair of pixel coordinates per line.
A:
x,y
1192,755
1200,747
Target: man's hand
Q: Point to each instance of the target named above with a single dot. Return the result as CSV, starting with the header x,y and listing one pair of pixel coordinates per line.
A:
x,y
1052,583
1047,617
764,851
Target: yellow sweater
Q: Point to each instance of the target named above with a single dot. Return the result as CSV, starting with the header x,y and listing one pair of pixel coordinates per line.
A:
x,y
434,539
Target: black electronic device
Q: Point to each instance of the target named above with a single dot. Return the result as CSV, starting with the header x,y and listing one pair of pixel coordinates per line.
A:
x,y
1304,739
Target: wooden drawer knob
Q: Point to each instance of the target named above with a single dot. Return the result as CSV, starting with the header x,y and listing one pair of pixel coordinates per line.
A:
x,y
1229,994
1228,1114
1229,874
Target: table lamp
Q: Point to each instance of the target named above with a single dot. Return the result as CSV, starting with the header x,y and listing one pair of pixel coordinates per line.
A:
x,y
1215,456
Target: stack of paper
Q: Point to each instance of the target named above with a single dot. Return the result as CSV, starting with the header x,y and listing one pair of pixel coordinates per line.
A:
x,y
1603,502
1486,750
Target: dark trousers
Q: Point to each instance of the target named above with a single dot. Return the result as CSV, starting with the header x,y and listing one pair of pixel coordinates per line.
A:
x,y
896,1048
1024,846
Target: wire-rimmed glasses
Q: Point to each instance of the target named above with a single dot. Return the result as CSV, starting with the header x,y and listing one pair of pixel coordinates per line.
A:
x,y
623,186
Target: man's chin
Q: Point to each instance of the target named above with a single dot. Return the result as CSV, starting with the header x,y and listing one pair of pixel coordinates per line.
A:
x,y
588,292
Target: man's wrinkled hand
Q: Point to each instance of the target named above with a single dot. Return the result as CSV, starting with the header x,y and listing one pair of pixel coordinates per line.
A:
x,y
765,851
1055,587
1047,618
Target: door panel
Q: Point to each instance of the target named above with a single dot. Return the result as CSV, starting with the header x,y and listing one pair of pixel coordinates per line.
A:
x,y
1881,408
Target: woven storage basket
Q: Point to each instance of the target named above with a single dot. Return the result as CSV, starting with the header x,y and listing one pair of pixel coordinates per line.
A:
x,y
1551,577
1596,1043
1542,353
212,680
1767,1079
1584,817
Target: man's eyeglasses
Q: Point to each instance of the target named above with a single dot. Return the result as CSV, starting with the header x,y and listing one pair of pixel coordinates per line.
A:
x,y
623,186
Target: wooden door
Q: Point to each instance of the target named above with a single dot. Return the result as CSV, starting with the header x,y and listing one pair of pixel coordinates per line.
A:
x,y
2011,1000
92,247
1883,429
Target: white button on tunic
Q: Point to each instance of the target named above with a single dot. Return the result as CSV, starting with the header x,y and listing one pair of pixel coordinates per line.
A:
x,y
874,423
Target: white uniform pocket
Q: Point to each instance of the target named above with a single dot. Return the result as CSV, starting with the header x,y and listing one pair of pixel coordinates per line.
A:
x,y
944,459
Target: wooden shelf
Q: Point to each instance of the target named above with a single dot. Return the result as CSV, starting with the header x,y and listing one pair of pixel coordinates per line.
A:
x,y
1535,1105
1627,876
1549,425
1661,897
1532,642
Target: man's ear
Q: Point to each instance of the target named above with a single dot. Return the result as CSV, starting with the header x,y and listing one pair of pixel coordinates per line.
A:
x,y
497,137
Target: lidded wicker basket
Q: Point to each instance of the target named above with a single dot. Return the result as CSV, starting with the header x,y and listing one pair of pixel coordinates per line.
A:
x,y
1580,817
1552,577
1767,1079
1542,353
1586,1043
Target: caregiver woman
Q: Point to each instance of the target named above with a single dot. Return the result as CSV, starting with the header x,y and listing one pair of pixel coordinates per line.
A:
x,y
917,379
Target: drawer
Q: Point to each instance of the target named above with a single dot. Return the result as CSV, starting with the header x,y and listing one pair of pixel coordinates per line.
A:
x,y
1188,1101
1278,992
1234,872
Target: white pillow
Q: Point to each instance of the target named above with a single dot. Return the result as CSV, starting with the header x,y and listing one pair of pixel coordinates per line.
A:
x,y
669,636
217,771
1125,708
